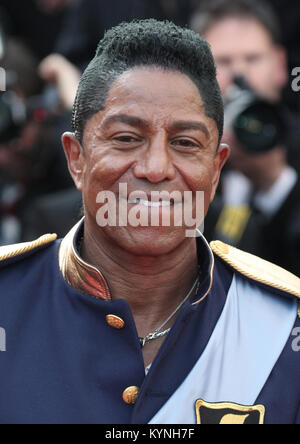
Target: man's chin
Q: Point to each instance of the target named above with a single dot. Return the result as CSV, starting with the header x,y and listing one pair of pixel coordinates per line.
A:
x,y
147,241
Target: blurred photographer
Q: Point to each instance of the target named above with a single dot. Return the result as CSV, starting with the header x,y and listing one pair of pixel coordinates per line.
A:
x,y
31,163
259,207
42,213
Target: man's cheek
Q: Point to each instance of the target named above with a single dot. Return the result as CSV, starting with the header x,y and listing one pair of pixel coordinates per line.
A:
x,y
97,177
224,80
90,192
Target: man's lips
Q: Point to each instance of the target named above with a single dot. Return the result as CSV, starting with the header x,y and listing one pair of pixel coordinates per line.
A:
x,y
147,203
154,200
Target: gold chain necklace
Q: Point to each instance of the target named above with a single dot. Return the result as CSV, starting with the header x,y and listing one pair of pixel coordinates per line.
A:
x,y
156,334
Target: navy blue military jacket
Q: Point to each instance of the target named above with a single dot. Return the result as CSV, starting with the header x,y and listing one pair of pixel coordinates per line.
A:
x,y
233,357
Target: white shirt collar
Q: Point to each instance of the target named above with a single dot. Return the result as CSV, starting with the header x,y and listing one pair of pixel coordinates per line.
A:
x,y
270,202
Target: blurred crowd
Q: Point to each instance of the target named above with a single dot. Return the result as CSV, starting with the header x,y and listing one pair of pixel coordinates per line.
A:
x,y
46,44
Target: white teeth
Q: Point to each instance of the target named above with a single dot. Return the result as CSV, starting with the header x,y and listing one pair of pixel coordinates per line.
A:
x,y
146,203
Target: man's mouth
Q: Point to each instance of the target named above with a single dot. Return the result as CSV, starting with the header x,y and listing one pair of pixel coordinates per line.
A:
x,y
150,204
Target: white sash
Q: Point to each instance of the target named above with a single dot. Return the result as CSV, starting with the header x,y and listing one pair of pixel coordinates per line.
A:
x,y
244,347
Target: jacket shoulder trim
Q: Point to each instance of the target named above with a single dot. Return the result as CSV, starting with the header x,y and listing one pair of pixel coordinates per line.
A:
x,y
257,269
12,251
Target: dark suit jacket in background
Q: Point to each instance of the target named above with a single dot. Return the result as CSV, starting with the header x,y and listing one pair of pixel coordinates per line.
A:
x,y
55,213
89,19
276,240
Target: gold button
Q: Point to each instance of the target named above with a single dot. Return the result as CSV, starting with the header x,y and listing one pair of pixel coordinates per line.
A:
x,y
115,321
130,395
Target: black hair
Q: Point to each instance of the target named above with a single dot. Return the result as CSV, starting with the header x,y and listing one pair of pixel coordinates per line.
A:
x,y
147,43
211,12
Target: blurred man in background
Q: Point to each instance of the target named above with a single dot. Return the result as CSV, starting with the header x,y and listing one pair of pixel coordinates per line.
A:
x,y
31,162
245,38
260,209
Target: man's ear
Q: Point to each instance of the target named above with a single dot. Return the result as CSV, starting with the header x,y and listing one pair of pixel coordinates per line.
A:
x,y
219,162
75,157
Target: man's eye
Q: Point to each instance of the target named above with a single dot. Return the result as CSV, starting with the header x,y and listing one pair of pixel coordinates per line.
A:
x,y
255,58
223,62
126,139
185,143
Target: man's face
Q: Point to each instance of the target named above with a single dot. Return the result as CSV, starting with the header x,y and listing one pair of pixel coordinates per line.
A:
x,y
153,135
244,47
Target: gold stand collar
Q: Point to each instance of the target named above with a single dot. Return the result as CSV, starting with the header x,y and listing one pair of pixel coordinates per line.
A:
x,y
79,274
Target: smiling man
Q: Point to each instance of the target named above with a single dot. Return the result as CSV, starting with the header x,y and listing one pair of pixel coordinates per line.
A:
x,y
139,323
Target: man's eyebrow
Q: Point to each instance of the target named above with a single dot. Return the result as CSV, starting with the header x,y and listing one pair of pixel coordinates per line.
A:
x,y
128,120
135,121
184,125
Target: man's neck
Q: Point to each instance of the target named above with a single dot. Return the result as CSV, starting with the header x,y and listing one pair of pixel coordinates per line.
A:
x,y
152,286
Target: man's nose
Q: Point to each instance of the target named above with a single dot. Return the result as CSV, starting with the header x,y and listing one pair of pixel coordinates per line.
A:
x,y
156,164
239,70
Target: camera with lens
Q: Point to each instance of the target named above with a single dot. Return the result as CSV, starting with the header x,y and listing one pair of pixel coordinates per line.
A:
x,y
258,125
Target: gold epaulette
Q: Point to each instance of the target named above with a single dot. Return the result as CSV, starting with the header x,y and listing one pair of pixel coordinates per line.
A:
x,y
11,251
257,269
